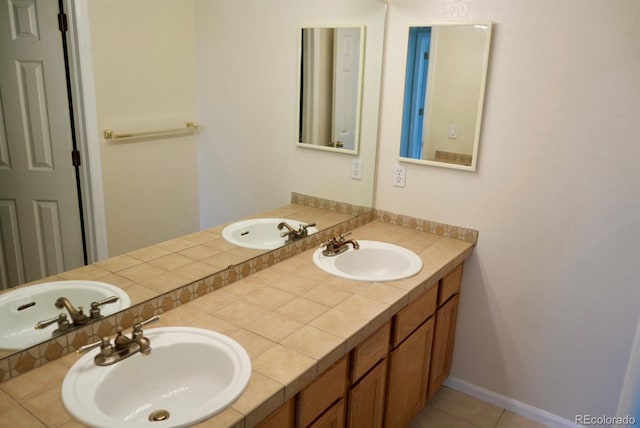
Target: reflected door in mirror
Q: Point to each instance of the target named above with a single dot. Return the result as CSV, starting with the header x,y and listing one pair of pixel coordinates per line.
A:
x,y
444,92
330,79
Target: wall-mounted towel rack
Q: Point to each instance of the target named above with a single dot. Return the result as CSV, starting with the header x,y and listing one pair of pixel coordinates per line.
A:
x,y
190,127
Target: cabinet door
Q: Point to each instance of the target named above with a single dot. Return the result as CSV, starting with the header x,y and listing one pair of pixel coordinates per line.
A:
x,y
443,345
283,417
322,392
407,384
332,418
366,399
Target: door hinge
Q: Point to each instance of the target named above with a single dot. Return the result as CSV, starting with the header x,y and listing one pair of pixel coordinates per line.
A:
x,y
75,157
421,112
426,56
62,22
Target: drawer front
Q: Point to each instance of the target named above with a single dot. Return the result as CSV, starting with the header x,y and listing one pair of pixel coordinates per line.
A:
x,y
369,352
450,285
322,392
332,418
414,314
283,417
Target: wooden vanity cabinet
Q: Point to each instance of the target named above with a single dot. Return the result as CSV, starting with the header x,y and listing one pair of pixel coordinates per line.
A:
x,y
385,380
331,418
407,381
409,359
283,417
366,398
320,396
445,328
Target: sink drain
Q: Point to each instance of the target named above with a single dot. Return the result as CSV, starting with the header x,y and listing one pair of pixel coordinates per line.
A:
x,y
159,415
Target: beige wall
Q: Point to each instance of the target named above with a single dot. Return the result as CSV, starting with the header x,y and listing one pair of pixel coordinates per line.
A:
x,y
157,63
550,297
247,95
144,68
457,59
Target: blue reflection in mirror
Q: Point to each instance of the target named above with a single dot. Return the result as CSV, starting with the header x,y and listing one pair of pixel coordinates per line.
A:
x,y
415,90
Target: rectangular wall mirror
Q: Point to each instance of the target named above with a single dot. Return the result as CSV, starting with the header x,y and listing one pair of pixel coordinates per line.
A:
x,y
331,64
444,94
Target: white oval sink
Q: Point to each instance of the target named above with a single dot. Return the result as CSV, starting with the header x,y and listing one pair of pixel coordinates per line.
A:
x,y
22,308
191,373
374,261
260,233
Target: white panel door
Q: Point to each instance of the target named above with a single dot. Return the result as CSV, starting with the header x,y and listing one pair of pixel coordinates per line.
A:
x,y
345,85
40,229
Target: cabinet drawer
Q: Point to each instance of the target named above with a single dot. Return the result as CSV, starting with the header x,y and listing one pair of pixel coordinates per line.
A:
x,y
332,418
369,352
414,314
450,285
322,392
283,417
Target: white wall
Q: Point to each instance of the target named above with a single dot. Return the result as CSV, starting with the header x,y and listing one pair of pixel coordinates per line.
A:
x,y
550,297
144,69
247,98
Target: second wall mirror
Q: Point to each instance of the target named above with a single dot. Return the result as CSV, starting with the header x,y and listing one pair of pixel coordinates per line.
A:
x,y
444,94
331,64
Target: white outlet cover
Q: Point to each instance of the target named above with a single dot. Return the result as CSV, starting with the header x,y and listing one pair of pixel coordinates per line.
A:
x,y
399,175
356,169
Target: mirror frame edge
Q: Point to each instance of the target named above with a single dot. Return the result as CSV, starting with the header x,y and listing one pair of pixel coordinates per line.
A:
x,y
481,99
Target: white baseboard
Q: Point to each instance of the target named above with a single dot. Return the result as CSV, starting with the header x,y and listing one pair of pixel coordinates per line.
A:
x,y
510,404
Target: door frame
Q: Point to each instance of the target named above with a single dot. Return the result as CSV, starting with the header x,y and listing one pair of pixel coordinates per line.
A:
x,y
87,131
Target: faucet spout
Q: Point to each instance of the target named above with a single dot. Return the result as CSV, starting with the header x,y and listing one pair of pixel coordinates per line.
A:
x,y
338,245
283,225
122,346
293,234
77,315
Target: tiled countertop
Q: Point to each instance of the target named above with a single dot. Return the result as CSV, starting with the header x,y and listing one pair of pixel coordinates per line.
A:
x,y
293,319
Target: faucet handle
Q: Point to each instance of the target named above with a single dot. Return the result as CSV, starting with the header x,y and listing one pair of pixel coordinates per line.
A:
x,y
138,334
150,320
95,306
344,235
137,327
336,238
102,343
61,319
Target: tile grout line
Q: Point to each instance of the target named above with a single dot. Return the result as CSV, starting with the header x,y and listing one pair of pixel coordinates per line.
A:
x,y
498,421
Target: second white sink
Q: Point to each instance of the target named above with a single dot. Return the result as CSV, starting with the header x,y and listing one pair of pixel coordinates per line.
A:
x,y
260,233
374,261
190,375
23,307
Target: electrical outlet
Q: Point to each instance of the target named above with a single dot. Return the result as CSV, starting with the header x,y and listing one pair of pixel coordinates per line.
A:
x,y
356,169
399,175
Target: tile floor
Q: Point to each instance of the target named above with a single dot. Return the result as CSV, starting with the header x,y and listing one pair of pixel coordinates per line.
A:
x,y
453,409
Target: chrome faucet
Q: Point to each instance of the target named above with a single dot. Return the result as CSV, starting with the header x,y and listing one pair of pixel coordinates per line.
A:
x,y
338,245
293,234
123,346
